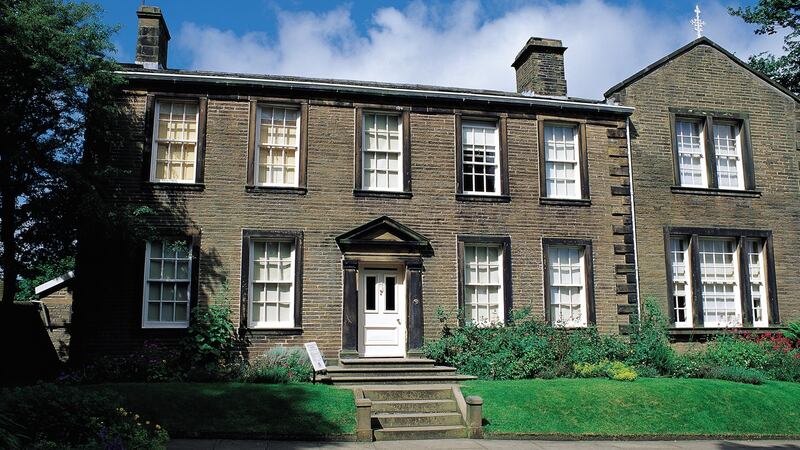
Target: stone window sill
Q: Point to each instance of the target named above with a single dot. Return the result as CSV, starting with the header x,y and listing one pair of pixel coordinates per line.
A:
x,y
565,201
272,331
483,198
381,194
275,190
715,192
699,333
161,186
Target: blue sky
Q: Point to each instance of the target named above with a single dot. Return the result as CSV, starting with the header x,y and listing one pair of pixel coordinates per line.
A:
x,y
467,43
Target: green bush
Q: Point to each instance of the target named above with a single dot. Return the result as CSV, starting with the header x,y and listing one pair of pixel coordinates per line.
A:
x,y
649,343
48,416
211,347
524,348
615,370
279,365
153,363
738,374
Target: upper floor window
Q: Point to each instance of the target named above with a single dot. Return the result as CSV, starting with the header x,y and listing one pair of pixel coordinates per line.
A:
x,y
382,152
712,151
277,157
563,162
168,284
480,153
175,133
562,169
723,277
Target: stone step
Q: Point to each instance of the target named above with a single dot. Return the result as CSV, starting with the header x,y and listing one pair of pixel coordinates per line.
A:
x,y
410,406
394,393
386,362
417,419
396,379
405,433
339,371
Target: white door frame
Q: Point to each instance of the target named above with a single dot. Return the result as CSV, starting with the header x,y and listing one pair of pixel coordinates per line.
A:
x,y
382,332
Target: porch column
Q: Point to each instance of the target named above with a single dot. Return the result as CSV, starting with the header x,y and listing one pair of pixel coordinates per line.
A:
x,y
349,309
416,327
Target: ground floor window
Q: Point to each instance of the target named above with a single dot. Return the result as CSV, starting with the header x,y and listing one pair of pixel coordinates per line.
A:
x,y
484,279
568,290
168,284
271,279
719,278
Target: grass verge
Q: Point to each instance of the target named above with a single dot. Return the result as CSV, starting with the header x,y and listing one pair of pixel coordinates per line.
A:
x,y
647,408
241,410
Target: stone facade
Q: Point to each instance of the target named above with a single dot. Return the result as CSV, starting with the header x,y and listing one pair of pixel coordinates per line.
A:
x,y
704,77
223,206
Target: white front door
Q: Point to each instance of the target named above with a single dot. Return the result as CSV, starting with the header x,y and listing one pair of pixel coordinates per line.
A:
x,y
382,306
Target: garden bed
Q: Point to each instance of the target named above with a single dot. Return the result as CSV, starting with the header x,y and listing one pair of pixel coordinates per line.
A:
x,y
648,408
238,410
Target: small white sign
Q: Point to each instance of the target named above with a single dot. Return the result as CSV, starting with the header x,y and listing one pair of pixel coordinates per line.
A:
x,y
315,356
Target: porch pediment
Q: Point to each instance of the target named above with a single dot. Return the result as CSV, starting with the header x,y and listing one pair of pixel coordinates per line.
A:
x,y
384,235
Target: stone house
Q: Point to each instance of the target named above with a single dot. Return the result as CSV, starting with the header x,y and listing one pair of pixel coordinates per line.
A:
x,y
714,157
350,213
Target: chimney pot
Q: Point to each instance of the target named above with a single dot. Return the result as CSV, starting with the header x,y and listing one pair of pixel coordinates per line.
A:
x,y
540,67
152,38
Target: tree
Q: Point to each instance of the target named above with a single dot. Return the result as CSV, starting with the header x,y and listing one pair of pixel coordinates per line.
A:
x,y
55,78
771,16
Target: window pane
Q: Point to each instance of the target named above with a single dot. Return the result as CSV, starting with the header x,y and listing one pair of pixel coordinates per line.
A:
x,y
272,283
483,283
163,285
567,290
719,278
278,146
370,294
681,281
390,294
176,138
381,153
729,156
691,153
758,289
479,157
562,176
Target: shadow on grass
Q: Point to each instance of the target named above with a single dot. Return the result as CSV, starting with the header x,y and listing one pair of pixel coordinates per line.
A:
x,y
238,410
740,446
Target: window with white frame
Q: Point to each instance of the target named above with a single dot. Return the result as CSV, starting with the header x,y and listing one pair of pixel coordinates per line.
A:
x,y
168,284
758,290
567,279
480,153
271,292
562,161
483,283
728,152
382,152
681,281
691,153
174,141
277,146
720,282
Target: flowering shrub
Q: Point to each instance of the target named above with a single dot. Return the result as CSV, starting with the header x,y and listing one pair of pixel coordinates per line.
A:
x,y
614,370
279,365
773,354
153,363
49,416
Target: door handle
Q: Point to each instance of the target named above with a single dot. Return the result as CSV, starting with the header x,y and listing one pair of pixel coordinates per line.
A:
x,y
398,322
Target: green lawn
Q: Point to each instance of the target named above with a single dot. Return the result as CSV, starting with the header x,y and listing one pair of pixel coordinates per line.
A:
x,y
647,407
241,410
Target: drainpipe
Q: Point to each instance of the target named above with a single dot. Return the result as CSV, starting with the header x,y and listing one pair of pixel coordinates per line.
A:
x,y
633,217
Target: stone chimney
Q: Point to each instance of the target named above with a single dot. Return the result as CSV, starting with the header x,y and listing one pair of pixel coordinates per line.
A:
x,y
540,67
153,36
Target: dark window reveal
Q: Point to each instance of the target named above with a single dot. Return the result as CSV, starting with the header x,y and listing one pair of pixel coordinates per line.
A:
x,y
390,283
370,294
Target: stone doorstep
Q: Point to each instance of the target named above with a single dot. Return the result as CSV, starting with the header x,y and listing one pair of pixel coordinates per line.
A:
x,y
404,412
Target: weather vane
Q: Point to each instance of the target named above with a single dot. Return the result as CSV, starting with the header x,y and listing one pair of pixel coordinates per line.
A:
x,y
697,22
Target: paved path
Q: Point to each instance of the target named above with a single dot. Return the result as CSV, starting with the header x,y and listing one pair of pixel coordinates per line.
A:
x,y
466,444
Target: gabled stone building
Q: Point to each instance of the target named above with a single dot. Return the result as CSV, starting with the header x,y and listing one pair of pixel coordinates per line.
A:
x,y
350,213
716,189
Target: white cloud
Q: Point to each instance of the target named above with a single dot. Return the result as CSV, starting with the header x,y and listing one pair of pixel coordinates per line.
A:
x,y
459,47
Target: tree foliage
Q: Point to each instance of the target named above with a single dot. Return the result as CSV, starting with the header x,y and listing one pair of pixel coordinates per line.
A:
x,y
771,17
55,77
